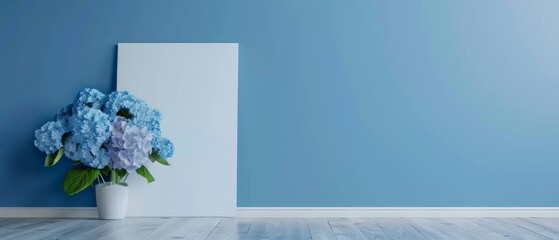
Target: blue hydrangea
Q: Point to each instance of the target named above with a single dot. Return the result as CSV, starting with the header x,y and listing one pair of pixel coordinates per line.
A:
x,y
150,119
163,146
142,115
92,156
90,98
85,130
130,146
90,129
64,113
48,138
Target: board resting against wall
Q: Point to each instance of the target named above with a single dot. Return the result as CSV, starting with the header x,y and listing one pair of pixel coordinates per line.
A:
x,y
194,85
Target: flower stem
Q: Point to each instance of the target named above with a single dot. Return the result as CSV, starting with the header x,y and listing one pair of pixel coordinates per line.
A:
x,y
113,177
125,177
103,179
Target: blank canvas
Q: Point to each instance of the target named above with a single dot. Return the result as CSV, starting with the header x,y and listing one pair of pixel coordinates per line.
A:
x,y
194,85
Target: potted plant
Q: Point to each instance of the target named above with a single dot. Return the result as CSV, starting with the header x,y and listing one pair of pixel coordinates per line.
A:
x,y
107,137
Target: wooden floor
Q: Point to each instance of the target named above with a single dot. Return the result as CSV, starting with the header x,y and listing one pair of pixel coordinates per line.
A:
x,y
281,228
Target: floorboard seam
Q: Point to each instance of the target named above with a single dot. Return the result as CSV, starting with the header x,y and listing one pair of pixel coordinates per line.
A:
x,y
531,230
213,229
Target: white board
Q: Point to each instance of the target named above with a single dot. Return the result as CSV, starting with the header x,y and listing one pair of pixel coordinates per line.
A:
x,y
194,85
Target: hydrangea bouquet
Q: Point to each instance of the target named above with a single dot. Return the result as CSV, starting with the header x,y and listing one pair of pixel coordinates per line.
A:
x,y
107,137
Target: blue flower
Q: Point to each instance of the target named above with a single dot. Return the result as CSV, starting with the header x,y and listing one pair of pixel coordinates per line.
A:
x,y
130,146
48,138
125,104
64,113
90,126
120,130
90,129
93,156
90,98
150,118
163,146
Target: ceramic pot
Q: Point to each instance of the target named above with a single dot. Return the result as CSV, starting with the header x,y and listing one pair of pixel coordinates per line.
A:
x,y
112,200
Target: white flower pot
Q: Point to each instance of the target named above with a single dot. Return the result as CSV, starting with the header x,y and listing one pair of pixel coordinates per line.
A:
x,y
111,201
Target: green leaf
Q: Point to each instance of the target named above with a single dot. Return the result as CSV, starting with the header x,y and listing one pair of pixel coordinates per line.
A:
x,y
144,172
54,157
106,170
76,162
155,157
121,172
78,179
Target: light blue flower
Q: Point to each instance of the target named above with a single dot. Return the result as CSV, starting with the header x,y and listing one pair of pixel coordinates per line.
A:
x,y
140,114
163,146
90,127
90,98
85,130
130,146
48,138
150,118
93,156
64,113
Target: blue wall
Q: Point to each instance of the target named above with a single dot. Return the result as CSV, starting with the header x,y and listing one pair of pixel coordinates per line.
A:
x,y
341,103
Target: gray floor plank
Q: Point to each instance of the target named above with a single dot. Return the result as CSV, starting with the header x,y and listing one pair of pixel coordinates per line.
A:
x,y
22,223
344,228
71,230
451,228
533,227
203,229
102,230
28,228
7,229
508,230
10,226
371,230
427,228
348,237
398,229
227,236
320,229
175,228
238,225
130,228
4,222
476,229
37,228
550,223
231,229
283,228
8,234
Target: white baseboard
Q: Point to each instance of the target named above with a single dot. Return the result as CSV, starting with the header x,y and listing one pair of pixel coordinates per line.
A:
x,y
49,212
432,212
299,212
